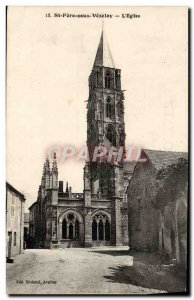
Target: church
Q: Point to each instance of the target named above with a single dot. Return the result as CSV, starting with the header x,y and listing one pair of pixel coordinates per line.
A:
x,y
99,215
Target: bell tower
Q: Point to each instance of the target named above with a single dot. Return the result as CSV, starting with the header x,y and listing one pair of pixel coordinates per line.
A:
x,y
105,104
105,127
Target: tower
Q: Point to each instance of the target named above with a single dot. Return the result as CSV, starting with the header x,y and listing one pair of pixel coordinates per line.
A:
x,y
50,202
105,127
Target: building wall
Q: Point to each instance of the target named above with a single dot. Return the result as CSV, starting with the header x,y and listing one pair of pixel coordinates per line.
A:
x,y
15,223
173,229
143,218
181,209
124,226
156,224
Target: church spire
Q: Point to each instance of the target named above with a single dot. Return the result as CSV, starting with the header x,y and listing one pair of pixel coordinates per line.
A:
x,y
54,173
103,54
54,166
47,166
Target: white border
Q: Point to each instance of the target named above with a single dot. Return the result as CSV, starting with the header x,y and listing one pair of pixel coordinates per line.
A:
x,y
3,4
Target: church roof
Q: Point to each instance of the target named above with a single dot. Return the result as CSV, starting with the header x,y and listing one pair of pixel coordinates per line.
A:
x,y
103,54
159,159
162,159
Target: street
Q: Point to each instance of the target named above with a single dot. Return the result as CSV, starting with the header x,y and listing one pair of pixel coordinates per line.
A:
x,y
107,270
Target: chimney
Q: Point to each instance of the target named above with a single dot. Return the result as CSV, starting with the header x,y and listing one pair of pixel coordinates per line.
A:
x,y
61,186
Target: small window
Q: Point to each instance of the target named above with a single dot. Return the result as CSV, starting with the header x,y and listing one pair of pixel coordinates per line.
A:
x,y
107,80
120,109
110,135
14,240
108,108
117,79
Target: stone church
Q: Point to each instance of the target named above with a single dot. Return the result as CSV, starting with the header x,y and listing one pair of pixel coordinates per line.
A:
x,y
98,216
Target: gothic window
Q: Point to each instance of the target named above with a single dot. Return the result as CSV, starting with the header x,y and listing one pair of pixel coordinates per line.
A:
x,y
77,229
70,217
107,80
64,229
108,108
101,230
94,230
107,230
117,79
71,231
71,227
120,109
110,135
97,78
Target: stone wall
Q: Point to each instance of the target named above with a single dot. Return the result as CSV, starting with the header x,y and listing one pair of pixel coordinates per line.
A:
x,y
143,218
158,210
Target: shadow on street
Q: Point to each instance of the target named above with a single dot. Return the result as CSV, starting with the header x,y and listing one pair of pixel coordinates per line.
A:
x,y
113,252
148,271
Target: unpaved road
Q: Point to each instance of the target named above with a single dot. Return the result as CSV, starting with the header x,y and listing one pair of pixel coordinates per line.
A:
x,y
71,271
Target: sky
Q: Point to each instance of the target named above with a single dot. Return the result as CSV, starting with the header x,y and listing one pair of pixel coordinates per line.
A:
x,y
48,64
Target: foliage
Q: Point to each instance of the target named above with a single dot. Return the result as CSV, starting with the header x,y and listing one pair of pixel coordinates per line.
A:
x,y
170,183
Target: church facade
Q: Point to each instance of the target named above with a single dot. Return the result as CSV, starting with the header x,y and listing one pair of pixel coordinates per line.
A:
x,y
98,216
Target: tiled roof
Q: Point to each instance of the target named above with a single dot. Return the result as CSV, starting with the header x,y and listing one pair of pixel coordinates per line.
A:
x,y
10,187
129,166
162,159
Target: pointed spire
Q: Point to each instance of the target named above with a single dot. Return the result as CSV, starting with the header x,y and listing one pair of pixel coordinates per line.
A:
x,y
47,166
43,175
54,166
103,55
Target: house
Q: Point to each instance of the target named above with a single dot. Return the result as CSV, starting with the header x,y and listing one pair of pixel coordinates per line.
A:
x,y
157,204
14,222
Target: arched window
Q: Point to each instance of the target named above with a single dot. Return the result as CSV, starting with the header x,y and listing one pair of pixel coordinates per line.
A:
x,y
77,229
71,231
108,108
117,79
94,230
107,80
120,109
110,135
97,78
71,226
64,229
101,230
107,230
101,227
